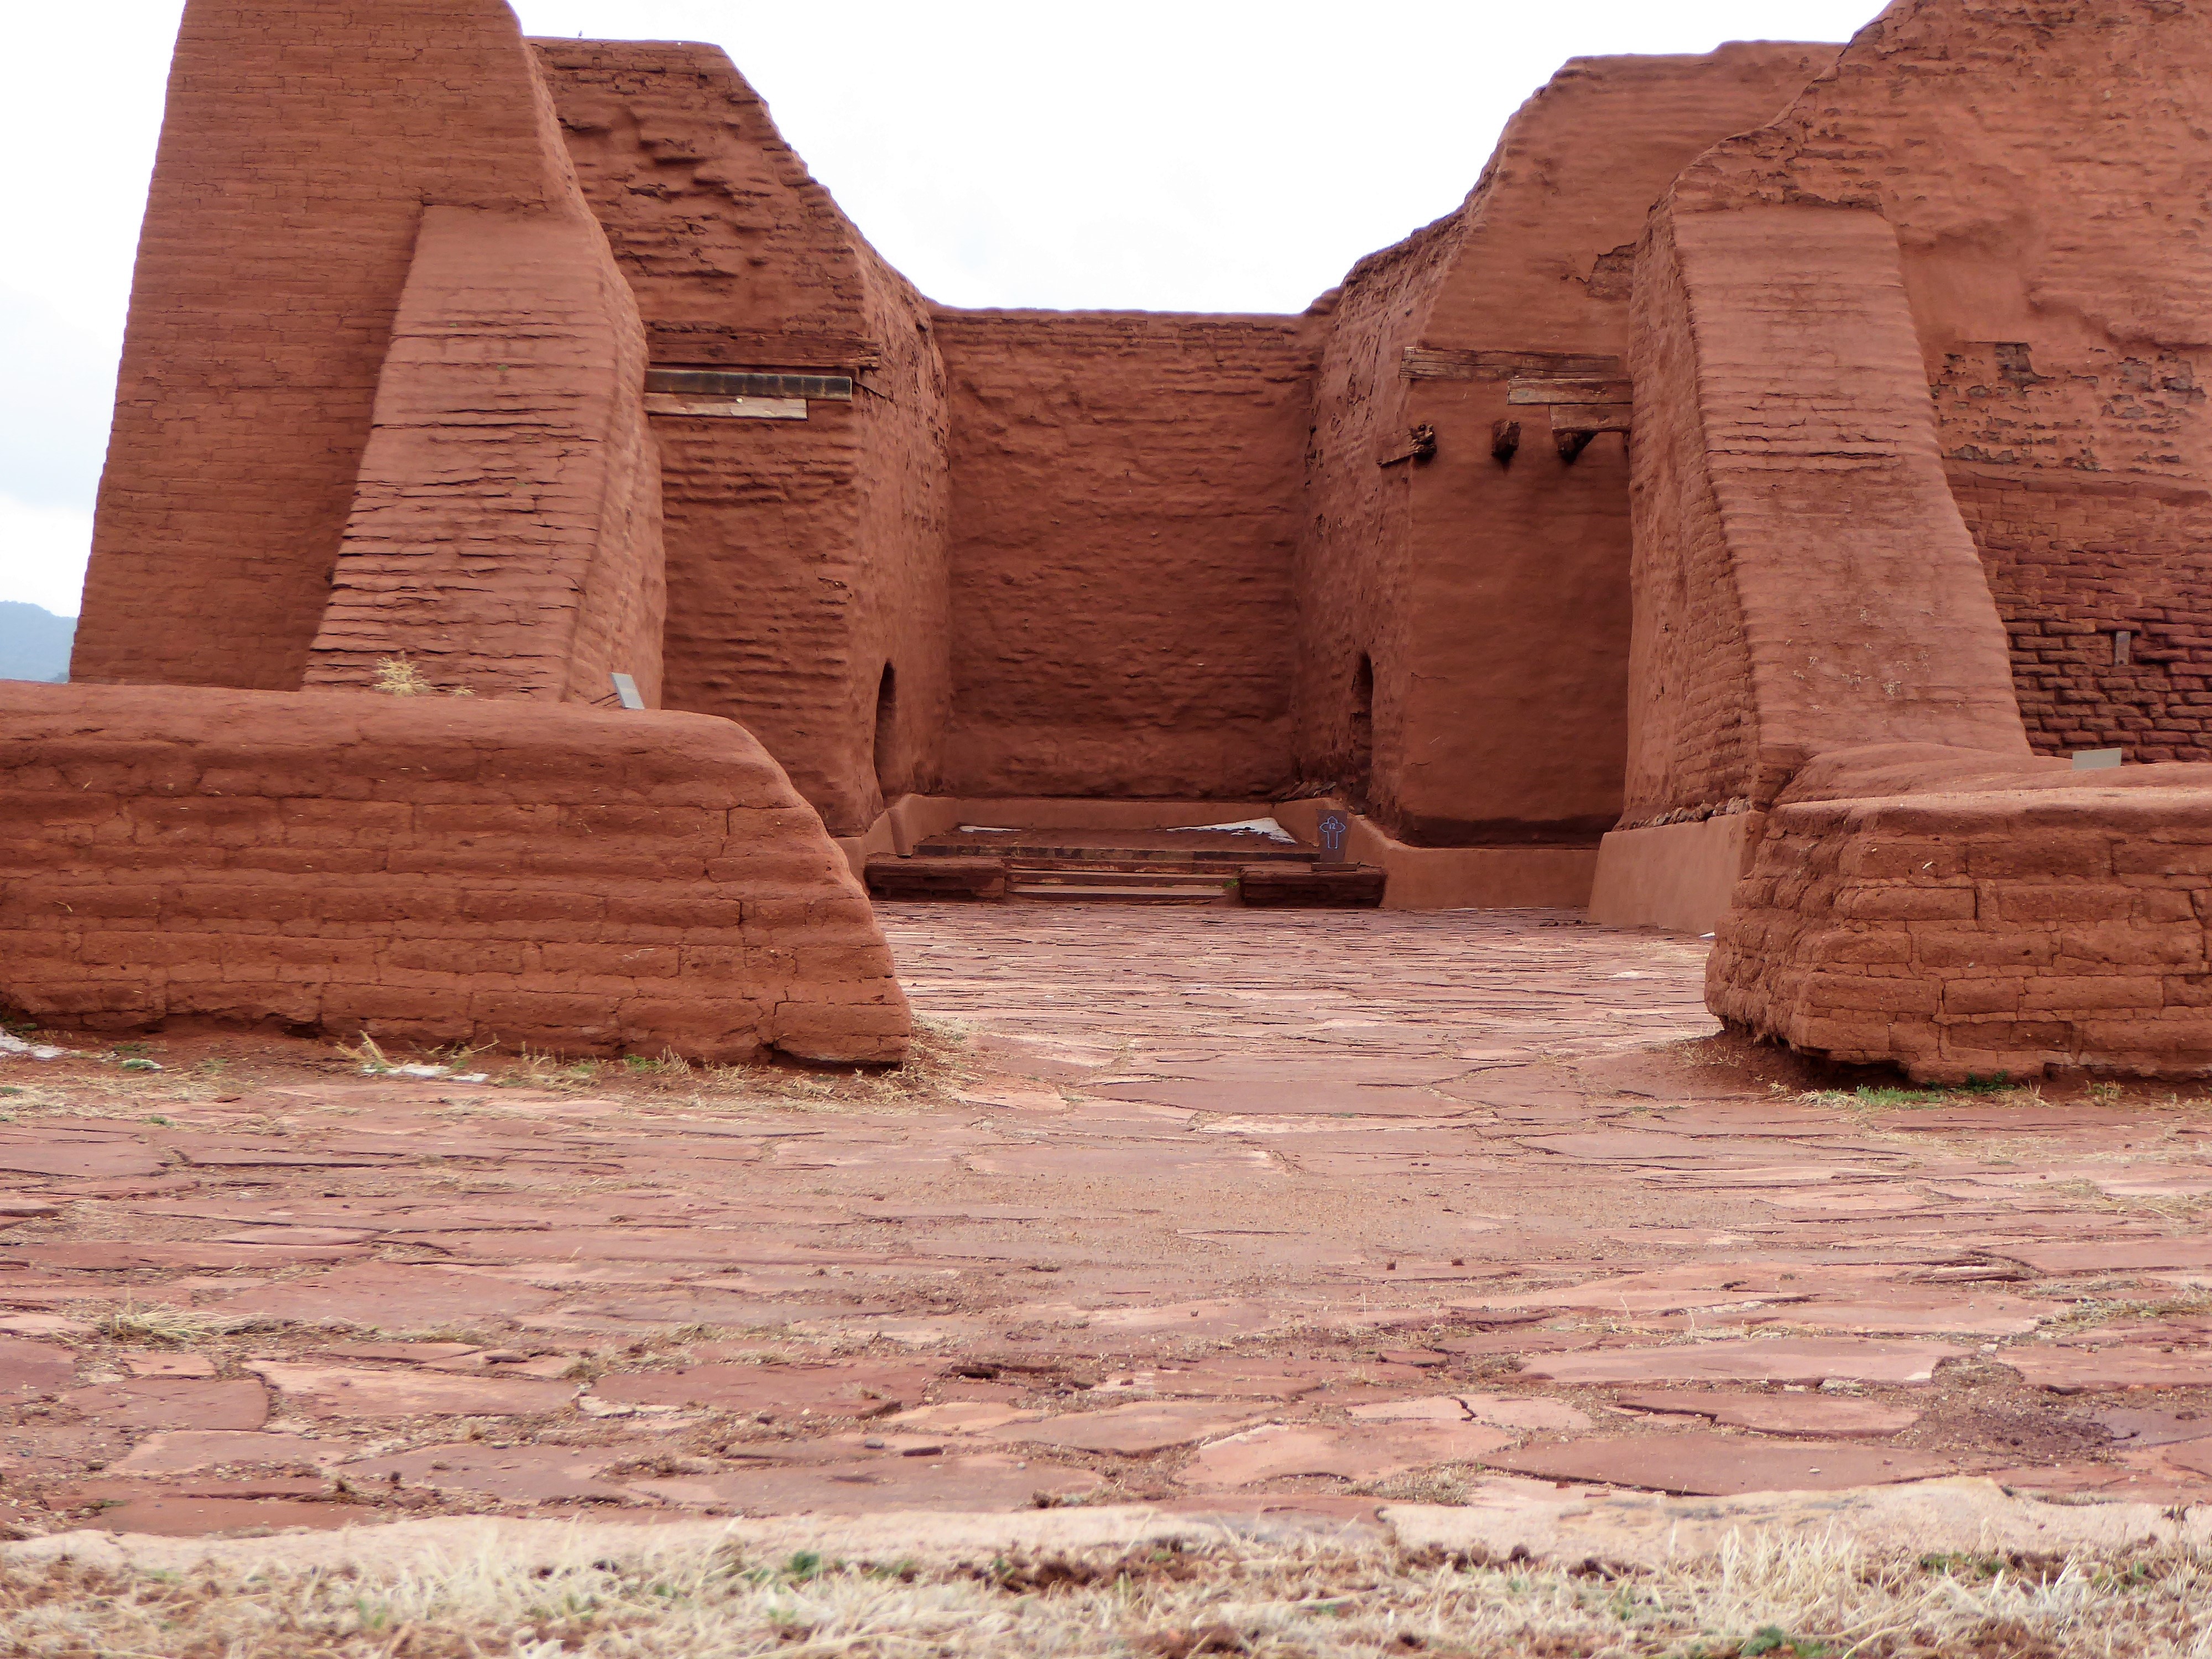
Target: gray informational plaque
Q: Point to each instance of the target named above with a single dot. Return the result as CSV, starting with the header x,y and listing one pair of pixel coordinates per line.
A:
x,y
626,688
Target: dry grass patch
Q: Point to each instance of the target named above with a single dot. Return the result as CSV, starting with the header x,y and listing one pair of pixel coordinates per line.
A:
x,y
1311,1599
162,1324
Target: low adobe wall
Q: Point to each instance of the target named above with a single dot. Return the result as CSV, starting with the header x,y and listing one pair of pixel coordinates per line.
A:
x,y
1967,921
1676,876
1455,878
426,869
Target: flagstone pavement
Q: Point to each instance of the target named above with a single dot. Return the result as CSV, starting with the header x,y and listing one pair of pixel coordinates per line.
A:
x,y
1237,1211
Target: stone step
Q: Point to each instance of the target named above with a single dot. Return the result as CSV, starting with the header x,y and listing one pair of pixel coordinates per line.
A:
x,y
1054,875
1030,880
1100,875
1185,869
937,878
1112,854
1161,892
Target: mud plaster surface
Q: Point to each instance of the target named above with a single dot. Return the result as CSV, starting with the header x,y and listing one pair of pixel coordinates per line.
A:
x,y
1224,1212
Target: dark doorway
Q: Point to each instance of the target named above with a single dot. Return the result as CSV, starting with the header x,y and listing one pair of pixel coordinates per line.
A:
x,y
1356,785
888,783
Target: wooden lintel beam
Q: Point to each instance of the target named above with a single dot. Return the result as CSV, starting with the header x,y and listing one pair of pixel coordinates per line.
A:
x,y
1442,363
1523,390
1591,417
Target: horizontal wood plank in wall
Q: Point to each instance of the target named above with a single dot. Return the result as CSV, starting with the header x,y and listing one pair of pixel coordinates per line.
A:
x,y
1526,390
1437,363
714,345
731,383
726,409
1590,417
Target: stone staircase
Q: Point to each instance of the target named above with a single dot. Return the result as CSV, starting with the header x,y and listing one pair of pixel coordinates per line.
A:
x,y
1127,866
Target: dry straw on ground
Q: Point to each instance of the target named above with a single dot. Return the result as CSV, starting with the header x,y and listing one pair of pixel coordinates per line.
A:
x,y
1324,1599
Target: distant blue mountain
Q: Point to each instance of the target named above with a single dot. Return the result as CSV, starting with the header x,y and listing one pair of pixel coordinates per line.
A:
x,y
34,644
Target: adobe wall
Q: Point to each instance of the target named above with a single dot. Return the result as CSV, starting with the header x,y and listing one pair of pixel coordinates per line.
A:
x,y
1124,510
1351,568
1693,722
802,555
1803,579
505,535
1519,740
2033,160
427,869
299,149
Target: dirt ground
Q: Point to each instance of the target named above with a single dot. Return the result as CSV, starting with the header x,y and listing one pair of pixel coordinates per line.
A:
x,y
1230,1213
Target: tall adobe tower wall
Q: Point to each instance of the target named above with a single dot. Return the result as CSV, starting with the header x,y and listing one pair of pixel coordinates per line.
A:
x,y
383,396
301,150
805,556
1489,597
1849,591
2042,166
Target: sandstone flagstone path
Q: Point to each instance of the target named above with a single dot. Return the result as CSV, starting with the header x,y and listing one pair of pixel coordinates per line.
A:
x,y
1213,1208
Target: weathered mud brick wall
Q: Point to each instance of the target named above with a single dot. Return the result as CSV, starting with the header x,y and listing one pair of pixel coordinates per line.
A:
x,y
505,534
1804,581
2033,159
1976,201
300,148
804,557
1961,931
1693,747
582,881
1124,509
1351,572
1405,559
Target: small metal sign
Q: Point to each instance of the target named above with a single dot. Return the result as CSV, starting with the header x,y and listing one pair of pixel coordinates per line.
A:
x,y
2095,760
1333,832
626,689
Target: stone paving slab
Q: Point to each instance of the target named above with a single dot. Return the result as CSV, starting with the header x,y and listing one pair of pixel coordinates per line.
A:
x,y
1297,1210
1720,1465
1819,1415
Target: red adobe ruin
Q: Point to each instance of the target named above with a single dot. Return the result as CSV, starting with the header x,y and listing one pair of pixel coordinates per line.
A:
x,y
1730,518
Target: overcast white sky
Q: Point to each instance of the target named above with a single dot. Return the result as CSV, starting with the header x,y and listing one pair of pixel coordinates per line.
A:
x,y
1172,155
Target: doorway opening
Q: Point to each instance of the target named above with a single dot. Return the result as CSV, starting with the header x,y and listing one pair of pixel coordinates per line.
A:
x,y
1357,786
886,743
